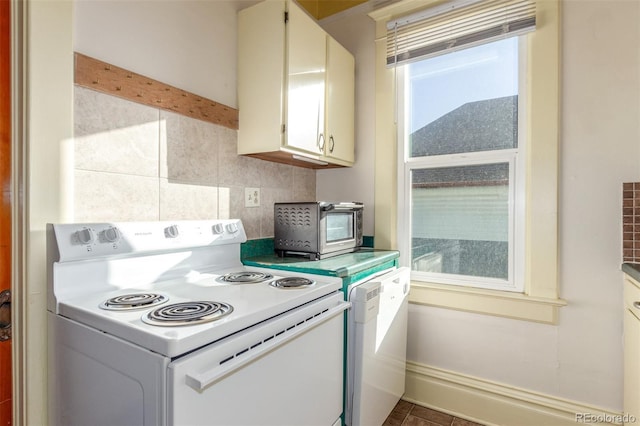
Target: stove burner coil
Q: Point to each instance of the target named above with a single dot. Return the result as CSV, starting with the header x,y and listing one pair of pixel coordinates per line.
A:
x,y
246,277
187,313
133,301
292,283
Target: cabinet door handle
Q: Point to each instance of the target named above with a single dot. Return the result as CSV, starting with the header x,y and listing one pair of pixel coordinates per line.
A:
x,y
321,142
636,304
331,143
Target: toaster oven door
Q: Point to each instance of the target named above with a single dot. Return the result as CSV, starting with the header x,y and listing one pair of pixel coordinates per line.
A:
x,y
340,228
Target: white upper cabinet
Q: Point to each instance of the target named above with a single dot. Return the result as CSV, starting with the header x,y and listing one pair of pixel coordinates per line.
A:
x,y
306,72
295,89
339,127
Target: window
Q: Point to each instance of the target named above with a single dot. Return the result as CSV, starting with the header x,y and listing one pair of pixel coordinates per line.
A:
x,y
538,300
463,147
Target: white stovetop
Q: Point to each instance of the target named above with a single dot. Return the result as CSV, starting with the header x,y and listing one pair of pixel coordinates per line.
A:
x,y
89,264
251,302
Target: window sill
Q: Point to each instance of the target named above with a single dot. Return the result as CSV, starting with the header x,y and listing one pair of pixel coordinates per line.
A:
x,y
489,302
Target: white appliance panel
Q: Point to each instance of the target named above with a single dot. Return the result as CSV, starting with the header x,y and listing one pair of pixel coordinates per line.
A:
x,y
96,379
295,378
378,344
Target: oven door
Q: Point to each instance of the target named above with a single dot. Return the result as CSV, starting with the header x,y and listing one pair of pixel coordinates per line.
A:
x,y
285,371
340,227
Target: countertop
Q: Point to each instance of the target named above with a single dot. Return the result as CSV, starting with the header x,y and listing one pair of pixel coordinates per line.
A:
x,y
632,269
342,266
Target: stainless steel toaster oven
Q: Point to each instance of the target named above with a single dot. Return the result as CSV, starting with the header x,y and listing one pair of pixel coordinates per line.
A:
x,y
317,229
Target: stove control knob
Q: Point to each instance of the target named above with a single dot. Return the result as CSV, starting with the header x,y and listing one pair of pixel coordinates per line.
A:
x,y
217,229
85,236
232,228
171,231
111,235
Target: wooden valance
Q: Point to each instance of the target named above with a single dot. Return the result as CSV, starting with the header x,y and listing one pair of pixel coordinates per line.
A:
x,y
106,78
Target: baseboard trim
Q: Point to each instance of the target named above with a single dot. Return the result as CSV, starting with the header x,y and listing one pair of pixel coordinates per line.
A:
x,y
492,403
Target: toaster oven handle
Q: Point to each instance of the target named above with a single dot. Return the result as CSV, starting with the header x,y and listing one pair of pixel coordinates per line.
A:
x,y
342,206
200,381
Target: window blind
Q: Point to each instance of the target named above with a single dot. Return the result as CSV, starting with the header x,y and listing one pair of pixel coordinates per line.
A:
x,y
456,25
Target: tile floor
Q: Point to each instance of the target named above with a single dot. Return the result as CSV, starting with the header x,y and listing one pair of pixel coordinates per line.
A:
x,y
408,414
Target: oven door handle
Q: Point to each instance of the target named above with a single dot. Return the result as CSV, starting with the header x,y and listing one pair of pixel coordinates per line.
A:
x,y
200,381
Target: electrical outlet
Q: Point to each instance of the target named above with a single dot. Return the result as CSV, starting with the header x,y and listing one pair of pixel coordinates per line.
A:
x,y
252,197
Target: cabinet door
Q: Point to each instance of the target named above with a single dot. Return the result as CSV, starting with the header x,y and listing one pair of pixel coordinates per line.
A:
x,y
305,82
631,362
261,77
340,103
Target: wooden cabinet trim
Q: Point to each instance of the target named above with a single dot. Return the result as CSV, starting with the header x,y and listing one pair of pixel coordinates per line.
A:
x,y
106,78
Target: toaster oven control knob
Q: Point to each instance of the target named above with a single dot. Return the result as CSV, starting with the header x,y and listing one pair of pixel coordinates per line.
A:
x,y
111,235
218,229
85,236
232,228
171,231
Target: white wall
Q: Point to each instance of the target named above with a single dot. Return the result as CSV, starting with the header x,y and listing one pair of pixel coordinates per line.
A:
x,y
356,34
580,359
187,44
600,149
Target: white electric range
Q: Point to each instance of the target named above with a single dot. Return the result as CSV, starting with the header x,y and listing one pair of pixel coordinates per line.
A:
x,y
159,323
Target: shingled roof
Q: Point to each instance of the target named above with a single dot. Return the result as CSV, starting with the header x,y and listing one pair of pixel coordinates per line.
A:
x,y
475,126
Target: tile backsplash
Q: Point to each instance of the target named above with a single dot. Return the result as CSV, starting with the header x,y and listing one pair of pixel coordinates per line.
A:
x,y
133,162
631,222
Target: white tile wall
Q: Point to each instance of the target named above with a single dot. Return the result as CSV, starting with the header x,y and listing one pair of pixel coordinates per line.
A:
x,y
133,162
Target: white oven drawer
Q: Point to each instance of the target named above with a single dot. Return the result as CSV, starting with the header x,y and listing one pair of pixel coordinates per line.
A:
x,y
285,371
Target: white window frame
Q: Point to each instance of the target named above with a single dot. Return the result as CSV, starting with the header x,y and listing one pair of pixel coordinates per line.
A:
x,y
516,158
540,301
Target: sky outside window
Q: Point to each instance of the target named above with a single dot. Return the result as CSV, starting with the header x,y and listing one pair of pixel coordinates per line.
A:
x,y
441,84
